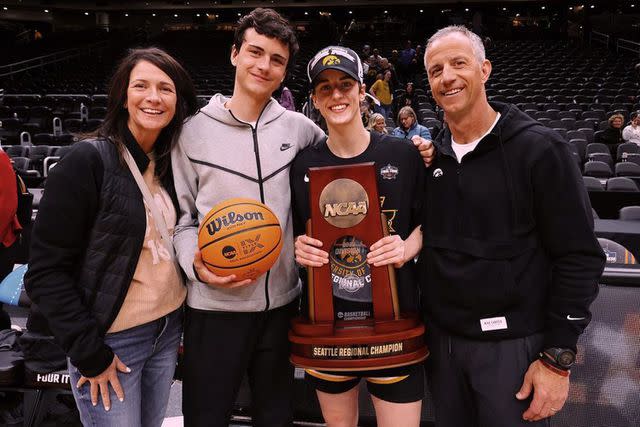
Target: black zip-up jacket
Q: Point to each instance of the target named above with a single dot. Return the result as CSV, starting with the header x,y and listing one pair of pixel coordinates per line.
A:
x,y
508,233
85,247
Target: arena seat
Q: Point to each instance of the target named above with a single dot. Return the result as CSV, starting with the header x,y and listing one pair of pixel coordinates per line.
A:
x,y
592,184
601,157
576,134
622,184
627,169
627,147
17,151
581,147
588,132
597,147
597,169
630,213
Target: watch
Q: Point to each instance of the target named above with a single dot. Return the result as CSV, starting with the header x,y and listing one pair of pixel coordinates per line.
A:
x,y
562,358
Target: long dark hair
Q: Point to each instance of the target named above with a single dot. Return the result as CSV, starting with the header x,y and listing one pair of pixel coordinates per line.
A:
x,y
114,126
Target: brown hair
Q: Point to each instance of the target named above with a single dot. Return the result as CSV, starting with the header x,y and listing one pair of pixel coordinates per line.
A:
x,y
269,23
615,116
409,111
114,126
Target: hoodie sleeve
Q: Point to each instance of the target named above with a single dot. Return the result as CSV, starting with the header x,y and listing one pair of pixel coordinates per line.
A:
x,y
185,236
564,217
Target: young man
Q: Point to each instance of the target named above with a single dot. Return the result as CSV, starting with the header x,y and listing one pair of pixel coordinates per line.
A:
x,y
510,263
336,77
241,147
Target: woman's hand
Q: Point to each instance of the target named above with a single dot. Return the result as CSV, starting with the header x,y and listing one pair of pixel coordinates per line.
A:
x,y
100,383
388,250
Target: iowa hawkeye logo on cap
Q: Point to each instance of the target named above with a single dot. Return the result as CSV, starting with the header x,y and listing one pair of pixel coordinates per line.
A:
x,y
330,60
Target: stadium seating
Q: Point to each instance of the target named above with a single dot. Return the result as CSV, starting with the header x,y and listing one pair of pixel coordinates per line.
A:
x,y
630,213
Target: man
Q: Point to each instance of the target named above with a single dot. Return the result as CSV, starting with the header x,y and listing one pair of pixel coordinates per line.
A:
x,y
509,263
241,147
336,76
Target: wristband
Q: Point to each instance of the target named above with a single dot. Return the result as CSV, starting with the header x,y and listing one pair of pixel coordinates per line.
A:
x,y
561,372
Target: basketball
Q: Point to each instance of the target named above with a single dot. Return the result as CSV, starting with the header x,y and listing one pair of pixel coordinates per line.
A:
x,y
240,236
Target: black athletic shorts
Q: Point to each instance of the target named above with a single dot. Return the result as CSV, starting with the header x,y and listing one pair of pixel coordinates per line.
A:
x,y
397,385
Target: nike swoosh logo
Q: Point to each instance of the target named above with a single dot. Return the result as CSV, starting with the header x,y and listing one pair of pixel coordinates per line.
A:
x,y
574,318
306,178
285,147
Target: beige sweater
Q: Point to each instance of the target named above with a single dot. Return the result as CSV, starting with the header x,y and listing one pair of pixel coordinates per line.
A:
x,y
156,288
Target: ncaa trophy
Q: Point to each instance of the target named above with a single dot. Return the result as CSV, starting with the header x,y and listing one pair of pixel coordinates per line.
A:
x,y
353,322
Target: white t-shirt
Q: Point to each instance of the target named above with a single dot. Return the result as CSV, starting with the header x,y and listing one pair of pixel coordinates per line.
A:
x,y
631,134
462,149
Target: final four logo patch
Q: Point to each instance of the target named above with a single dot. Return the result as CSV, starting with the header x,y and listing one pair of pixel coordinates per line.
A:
x,y
389,172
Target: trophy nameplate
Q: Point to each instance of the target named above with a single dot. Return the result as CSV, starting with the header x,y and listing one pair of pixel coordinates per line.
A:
x,y
354,321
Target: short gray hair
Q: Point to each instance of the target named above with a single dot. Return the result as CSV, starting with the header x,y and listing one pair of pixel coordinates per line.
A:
x,y
476,42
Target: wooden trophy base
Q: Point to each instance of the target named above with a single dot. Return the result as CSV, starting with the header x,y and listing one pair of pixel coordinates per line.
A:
x,y
357,346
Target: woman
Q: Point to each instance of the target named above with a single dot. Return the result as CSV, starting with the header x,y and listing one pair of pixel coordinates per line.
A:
x,y
99,270
381,89
409,126
406,99
337,91
631,133
377,123
611,136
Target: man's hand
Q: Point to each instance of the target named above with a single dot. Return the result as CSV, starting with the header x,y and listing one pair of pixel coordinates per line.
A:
x,y
207,276
550,391
426,148
388,250
307,252
101,383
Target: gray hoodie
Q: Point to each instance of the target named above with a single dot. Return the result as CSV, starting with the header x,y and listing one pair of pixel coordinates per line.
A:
x,y
219,157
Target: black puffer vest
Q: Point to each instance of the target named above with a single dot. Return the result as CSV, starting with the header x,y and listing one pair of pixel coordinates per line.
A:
x,y
115,240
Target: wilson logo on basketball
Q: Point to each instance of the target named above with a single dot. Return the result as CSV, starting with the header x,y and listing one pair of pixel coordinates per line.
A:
x,y
345,208
229,252
232,218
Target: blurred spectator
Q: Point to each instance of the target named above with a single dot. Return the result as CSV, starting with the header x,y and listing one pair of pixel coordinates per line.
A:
x,y
407,61
286,99
385,66
366,51
9,225
631,133
406,99
372,71
611,136
366,110
381,89
377,123
409,126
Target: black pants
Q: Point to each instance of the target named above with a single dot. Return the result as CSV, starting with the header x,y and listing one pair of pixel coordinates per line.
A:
x,y
219,348
473,383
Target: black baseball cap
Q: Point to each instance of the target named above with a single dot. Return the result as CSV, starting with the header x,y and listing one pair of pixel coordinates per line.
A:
x,y
335,58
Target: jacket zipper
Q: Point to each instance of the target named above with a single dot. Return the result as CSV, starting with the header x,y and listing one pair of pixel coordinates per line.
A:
x,y
256,151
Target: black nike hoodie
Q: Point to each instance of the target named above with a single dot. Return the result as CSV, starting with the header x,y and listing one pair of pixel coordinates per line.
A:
x,y
508,235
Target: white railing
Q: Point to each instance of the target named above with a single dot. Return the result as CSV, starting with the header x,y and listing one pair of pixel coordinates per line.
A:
x,y
623,44
599,38
18,67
